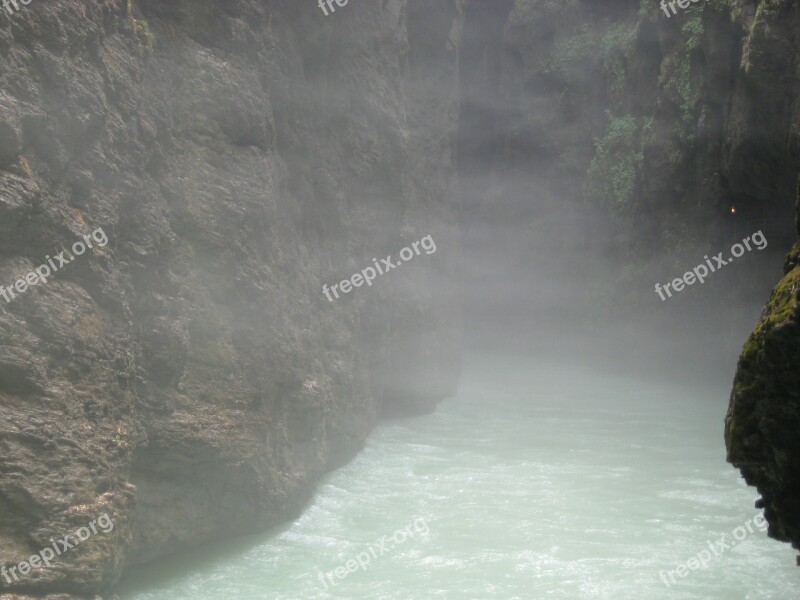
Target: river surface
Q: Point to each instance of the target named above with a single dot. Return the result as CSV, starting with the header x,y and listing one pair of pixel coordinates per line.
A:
x,y
538,481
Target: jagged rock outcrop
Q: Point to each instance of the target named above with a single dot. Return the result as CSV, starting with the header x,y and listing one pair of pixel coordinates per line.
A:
x,y
190,378
763,420
762,424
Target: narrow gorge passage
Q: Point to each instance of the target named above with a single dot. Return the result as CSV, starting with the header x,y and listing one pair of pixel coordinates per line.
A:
x,y
399,299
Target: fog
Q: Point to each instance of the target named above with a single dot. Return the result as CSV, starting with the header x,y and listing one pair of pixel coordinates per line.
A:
x,y
551,270
469,276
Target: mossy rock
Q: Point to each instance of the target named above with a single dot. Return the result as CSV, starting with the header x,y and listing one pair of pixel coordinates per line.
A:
x,y
764,413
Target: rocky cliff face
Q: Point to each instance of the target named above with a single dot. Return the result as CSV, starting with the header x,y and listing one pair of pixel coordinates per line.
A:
x,y
189,378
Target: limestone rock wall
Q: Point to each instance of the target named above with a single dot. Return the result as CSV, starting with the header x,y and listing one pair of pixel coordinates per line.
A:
x,y
190,378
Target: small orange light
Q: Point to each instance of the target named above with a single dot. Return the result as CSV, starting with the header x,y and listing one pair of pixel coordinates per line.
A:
x,y
733,210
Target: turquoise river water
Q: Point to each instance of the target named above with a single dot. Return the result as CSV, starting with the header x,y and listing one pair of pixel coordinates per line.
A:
x,y
538,481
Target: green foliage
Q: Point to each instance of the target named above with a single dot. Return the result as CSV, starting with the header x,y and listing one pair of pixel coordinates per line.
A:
x,y
693,30
617,46
620,37
144,33
613,172
573,53
679,80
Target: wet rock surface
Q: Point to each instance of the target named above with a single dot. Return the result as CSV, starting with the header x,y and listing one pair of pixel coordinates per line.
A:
x,y
189,378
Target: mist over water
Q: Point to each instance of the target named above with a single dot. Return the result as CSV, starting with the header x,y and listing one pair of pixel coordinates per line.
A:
x,y
552,165
538,480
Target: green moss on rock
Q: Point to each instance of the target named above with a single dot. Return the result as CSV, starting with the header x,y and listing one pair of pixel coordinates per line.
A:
x,y
764,413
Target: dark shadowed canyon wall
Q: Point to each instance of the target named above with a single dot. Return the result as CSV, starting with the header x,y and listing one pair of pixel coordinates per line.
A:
x,y
621,140
617,135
